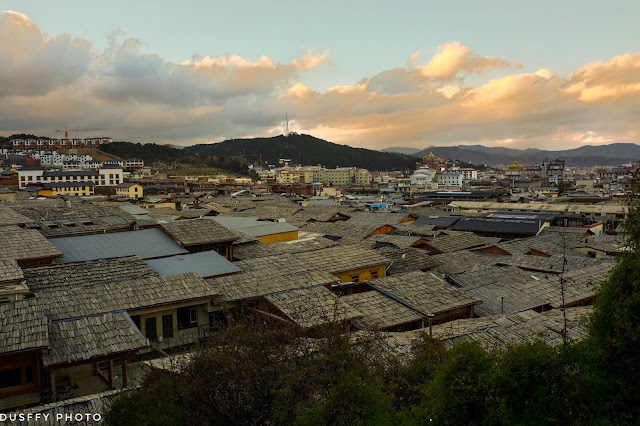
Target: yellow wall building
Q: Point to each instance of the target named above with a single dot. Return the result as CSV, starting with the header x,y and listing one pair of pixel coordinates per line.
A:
x,y
66,188
129,190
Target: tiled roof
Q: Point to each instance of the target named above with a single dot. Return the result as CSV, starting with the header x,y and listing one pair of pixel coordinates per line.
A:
x,y
9,217
518,327
10,271
21,244
250,285
332,260
400,241
454,241
82,218
145,243
354,232
85,338
424,292
73,302
521,295
313,306
408,260
462,261
380,312
23,326
504,275
88,273
192,232
205,264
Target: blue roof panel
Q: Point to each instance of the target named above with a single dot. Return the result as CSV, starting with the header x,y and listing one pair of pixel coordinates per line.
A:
x,y
206,264
146,243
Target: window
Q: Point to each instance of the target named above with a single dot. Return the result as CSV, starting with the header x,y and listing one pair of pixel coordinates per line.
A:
x,y
355,278
187,317
374,273
167,325
136,321
10,378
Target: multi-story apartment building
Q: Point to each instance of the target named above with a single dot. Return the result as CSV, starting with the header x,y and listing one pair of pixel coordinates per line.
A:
x,y
338,176
48,144
450,179
104,176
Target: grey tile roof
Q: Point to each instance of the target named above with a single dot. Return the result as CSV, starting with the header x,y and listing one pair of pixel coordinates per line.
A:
x,y
521,295
86,217
333,260
448,241
463,261
9,217
257,249
206,264
354,232
88,273
250,285
313,306
380,312
400,241
523,326
491,274
22,244
10,271
23,326
254,250
74,302
408,260
145,243
192,232
424,292
81,339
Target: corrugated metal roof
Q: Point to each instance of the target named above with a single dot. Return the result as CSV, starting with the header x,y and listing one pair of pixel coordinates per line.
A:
x,y
146,243
252,226
206,264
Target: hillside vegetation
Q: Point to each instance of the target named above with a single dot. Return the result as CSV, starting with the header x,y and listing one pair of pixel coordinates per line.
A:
x,y
168,158
305,150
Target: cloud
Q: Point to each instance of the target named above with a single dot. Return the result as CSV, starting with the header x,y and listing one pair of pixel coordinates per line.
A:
x,y
598,81
453,58
50,81
33,63
311,61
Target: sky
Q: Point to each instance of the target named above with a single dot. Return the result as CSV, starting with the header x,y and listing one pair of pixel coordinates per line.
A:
x,y
376,74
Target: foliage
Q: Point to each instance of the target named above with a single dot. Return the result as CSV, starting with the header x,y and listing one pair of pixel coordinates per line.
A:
x,y
615,323
305,150
167,157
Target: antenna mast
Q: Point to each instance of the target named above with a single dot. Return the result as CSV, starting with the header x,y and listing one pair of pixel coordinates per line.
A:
x,y
287,119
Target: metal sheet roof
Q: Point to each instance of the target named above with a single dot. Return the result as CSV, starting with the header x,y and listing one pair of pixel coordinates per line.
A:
x,y
146,243
252,226
206,264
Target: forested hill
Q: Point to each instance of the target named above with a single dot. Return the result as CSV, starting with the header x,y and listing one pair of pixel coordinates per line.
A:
x,y
305,150
154,154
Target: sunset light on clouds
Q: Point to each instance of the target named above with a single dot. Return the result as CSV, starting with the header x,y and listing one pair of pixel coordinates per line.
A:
x,y
438,93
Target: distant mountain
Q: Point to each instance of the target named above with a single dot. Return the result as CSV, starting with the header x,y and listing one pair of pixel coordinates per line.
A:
x,y
586,156
304,150
401,150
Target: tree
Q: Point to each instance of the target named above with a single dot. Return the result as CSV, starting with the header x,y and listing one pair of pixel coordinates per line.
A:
x,y
615,323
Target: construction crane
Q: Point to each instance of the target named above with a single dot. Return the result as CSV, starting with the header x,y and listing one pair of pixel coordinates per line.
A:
x,y
66,131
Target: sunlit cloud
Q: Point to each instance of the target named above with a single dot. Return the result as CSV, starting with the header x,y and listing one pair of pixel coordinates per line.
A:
x,y
454,96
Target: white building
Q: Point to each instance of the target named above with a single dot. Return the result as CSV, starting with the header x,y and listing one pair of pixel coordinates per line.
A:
x,y
102,177
450,179
423,178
